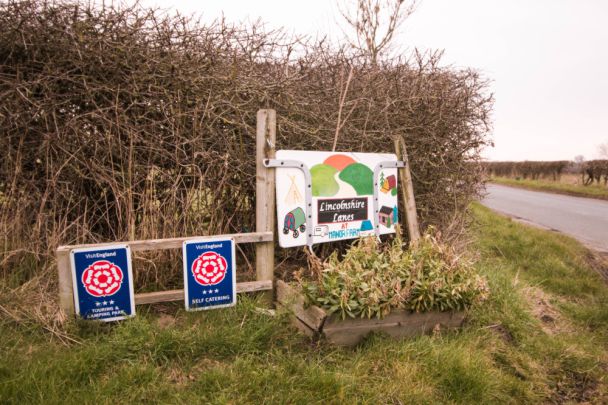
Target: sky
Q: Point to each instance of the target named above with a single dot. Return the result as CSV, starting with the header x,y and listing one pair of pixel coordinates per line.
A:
x,y
547,60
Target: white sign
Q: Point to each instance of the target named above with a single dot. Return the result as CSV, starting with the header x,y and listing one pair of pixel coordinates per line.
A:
x,y
342,190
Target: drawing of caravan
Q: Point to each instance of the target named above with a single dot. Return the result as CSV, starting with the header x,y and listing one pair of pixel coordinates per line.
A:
x,y
295,221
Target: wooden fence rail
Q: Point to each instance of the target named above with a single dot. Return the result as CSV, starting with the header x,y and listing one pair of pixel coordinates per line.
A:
x,y
178,295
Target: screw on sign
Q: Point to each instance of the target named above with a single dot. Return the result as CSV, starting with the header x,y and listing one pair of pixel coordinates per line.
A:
x,y
209,268
102,278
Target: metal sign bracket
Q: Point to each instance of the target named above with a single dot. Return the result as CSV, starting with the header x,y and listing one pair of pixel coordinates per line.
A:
x,y
389,164
296,164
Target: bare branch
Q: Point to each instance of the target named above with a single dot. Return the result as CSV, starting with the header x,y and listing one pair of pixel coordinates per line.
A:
x,y
374,23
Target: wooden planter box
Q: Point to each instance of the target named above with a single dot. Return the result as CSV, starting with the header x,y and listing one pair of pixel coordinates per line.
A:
x,y
315,322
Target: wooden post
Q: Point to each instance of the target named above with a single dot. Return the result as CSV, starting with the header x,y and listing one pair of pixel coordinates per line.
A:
x,y
411,217
66,292
266,136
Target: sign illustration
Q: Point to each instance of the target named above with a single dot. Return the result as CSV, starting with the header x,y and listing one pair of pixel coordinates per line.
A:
x,y
103,283
209,273
295,222
102,278
343,186
293,195
209,269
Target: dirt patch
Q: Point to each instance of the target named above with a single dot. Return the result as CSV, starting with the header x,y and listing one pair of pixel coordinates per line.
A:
x,y
576,387
540,302
598,261
177,376
182,376
165,321
503,332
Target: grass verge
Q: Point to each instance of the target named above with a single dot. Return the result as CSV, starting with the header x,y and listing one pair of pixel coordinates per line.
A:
x,y
542,336
591,191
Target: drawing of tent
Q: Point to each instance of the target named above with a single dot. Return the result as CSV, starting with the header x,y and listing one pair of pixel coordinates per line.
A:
x,y
293,196
367,229
366,226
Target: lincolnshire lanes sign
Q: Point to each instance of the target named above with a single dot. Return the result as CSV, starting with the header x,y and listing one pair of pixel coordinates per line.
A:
x,y
103,283
338,210
342,191
209,273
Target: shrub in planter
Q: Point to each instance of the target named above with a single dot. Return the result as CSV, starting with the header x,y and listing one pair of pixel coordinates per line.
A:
x,y
371,280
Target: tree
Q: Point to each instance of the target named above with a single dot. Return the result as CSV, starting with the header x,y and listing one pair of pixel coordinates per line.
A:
x,y
602,150
578,159
375,23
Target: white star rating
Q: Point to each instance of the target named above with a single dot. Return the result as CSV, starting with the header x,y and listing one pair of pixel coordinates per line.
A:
x,y
205,292
111,302
97,303
105,303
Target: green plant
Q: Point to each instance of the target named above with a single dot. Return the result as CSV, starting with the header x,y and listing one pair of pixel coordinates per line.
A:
x,y
371,280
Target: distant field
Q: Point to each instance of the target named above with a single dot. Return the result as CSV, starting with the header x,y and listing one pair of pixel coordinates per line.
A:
x,y
542,337
568,184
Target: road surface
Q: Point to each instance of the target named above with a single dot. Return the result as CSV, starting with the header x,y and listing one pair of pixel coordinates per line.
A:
x,y
585,219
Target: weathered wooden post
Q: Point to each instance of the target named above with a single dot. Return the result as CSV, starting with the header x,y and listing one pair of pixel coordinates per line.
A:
x,y
265,193
411,217
66,292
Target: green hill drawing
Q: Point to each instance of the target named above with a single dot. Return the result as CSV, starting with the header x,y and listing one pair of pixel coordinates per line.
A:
x,y
360,177
323,182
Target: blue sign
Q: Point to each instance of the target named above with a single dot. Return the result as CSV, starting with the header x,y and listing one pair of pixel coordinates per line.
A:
x,y
209,274
103,283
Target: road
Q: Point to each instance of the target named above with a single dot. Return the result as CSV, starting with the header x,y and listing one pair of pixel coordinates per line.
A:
x,y
584,219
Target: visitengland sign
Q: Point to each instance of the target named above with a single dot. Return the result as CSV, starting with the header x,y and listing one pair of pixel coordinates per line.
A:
x,y
103,283
209,273
343,190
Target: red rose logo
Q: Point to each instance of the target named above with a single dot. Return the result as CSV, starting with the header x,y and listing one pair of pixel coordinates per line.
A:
x,y
102,278
209,268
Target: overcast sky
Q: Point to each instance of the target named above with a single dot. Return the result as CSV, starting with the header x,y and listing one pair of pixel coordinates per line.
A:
x,y
547,59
